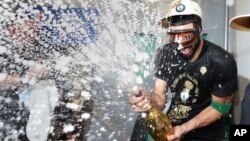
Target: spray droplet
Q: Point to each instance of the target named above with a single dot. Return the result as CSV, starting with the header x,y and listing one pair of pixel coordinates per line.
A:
x,y
139,80
143,115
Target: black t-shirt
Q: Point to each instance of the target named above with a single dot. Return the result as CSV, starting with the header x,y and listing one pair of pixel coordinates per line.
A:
x,y
192,83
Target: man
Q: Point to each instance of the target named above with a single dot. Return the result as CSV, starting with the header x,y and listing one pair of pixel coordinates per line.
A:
x,y
14,78
202,78
16,74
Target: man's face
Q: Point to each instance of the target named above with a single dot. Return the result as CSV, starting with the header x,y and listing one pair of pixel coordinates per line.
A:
x,y
184,37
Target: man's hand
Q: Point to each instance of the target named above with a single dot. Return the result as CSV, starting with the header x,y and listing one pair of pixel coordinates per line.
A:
x,y
140,103
178,133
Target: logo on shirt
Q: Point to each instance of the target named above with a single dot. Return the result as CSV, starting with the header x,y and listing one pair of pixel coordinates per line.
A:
x,y
188,86
186,92
203,70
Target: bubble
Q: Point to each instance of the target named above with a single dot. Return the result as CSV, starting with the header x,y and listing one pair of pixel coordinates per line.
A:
x,y
135,89
3,76
68,128
3,49
135,68
143,115
85,116
139,80
103,129
86,95
72,106
98,79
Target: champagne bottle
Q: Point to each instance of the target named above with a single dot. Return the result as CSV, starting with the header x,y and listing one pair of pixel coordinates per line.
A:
x,y
158,123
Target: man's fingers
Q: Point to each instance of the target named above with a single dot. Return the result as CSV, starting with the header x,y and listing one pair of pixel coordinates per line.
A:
x,y
146,106
134,99
141,105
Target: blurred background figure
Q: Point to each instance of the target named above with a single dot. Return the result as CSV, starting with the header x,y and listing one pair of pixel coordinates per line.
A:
x,y
41,89
242,23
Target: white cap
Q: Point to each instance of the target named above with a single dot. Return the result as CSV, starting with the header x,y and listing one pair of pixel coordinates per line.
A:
x,y
241,22
181,7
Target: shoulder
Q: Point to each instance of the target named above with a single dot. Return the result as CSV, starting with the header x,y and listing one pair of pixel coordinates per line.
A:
x,y
219,56
164,53
164,50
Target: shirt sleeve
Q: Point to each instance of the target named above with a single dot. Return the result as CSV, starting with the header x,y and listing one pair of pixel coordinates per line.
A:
x,y
225,76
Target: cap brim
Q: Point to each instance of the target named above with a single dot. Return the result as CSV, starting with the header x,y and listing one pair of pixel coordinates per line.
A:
x,y
241,23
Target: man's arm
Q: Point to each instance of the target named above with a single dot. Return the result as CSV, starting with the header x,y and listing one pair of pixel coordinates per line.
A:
x,y
9,80
156,99
204,118
158,96
36,71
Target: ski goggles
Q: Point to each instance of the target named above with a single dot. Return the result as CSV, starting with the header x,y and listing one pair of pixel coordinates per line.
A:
x,y
184,37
